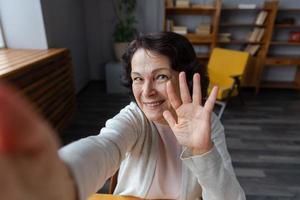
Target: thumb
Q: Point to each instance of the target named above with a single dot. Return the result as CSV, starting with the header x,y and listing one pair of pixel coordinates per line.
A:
x,y
169,118
22,130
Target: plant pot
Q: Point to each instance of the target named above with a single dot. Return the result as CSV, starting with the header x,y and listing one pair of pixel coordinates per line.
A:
x,y
120,48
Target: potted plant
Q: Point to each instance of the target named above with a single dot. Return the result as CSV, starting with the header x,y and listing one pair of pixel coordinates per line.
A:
x,y
125,26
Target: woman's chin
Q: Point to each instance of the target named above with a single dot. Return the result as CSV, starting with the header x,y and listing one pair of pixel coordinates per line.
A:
x,y
156,118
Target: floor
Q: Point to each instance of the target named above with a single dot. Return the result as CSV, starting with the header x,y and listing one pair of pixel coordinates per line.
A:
x,y
263,136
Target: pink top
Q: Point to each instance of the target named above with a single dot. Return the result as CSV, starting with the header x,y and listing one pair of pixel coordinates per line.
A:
x,y
167,177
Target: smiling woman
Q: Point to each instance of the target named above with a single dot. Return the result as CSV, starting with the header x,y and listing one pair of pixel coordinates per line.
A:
x,y
167,144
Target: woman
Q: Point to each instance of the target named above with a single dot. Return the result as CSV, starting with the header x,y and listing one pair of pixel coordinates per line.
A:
x,y
166,144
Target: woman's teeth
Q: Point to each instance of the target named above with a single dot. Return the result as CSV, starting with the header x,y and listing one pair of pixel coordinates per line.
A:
x,y
153,104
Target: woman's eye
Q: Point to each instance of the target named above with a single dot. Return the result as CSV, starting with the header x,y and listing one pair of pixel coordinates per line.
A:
x,y
137,79
162,77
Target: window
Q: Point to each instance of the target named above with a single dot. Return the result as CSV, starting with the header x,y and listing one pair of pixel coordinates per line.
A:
x,y
2,43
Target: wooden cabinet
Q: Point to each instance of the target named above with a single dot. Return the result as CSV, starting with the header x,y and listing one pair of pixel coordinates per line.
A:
x,y
45,78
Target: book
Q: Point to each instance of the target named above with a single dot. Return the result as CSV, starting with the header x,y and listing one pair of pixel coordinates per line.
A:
x,y
260,35
252,49
246,6
256,35
169,25
169,3
261,17
204,6
182,3
224,37
203,29
180,29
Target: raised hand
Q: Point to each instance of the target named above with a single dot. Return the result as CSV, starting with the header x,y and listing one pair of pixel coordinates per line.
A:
x,y
192,123
29,165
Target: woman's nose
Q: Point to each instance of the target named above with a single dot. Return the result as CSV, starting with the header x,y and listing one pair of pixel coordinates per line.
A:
x,y
149,88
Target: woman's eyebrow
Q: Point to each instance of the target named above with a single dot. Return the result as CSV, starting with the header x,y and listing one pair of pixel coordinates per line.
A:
x,y
160,69
154,71
135,73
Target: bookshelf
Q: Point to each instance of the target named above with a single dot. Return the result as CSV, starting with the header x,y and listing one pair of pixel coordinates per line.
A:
x,y
284,55
223,21
208,40
245,35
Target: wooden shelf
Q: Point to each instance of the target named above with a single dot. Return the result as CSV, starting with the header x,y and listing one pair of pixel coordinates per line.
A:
x,y
285,43
190,11
199,39
240,25
244,9
279,84
289,9
239,42
282,60
289,26
203,56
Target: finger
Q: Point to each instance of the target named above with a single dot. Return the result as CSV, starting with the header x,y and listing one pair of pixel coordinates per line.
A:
x,y
210,102
21,128
173,98
197,95
169,118
184,90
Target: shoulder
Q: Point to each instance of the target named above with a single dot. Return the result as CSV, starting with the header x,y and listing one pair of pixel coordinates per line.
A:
x,y
130,116
131,112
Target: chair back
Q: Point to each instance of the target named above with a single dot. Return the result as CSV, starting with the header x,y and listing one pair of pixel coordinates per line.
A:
x,y
228,62
223,65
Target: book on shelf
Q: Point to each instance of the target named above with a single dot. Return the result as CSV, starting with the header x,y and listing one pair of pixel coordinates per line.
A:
x,y
182,3
252,49
180,29
204,6
246,6
224,37
169,3
256,35
261,17
260,35
169,25
203,29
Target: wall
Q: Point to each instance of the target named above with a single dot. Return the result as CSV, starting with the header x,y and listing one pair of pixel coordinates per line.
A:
x,y
100,20
23,24
65,27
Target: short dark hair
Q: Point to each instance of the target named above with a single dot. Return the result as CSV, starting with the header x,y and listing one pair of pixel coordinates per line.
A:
x,y
176,48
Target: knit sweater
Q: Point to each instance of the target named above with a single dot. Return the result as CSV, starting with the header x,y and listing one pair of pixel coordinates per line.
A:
x,y
129,142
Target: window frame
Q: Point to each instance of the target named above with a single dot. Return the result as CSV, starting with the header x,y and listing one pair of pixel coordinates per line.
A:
x,y
2,38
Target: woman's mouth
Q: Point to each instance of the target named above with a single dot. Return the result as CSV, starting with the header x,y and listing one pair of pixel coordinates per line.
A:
x,y
153,104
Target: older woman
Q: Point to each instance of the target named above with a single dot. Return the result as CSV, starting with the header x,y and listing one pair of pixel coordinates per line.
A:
x,y
167,144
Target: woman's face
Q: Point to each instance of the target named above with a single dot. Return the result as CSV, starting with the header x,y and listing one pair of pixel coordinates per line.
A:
x,y
150,74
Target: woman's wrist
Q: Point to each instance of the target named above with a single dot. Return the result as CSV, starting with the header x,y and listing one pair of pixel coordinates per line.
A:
x,y
200,151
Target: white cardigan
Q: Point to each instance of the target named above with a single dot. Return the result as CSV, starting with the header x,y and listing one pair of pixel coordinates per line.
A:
x,y
128,142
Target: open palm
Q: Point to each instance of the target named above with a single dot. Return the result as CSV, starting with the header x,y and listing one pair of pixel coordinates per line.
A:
x,y
192,124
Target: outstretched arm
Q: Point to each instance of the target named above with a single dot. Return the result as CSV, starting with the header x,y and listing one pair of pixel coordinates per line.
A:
x,y
29,165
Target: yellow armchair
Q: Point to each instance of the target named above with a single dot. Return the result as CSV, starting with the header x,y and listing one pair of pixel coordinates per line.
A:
x,y
225,69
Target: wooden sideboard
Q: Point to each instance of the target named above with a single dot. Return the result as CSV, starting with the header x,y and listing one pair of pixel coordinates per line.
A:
x,y
45,77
